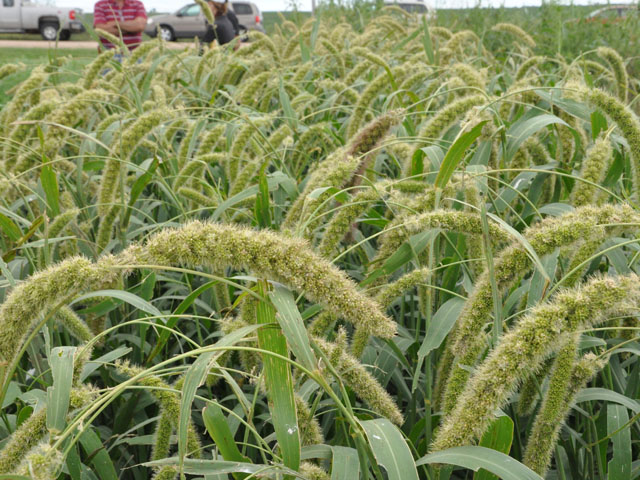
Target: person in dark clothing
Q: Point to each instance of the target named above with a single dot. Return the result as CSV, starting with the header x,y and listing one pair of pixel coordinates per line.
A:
x,y
234,21
222,30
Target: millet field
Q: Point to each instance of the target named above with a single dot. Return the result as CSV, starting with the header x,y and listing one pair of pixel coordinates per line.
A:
x,y
383,249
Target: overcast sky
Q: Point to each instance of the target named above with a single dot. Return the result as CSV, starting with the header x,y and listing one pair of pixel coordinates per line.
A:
x,y
281,5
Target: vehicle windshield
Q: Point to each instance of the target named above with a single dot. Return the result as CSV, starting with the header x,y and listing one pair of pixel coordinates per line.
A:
x,y
191,10
413,7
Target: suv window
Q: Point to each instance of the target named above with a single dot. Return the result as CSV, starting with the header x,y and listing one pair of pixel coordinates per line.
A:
x,y
191,10
242,9
412,7
7,3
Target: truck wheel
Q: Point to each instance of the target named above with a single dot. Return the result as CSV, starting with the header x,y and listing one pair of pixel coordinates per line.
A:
x,y
49,31
65,35
166,33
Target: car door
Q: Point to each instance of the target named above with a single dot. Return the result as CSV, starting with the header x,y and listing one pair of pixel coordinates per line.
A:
x,y
189,21
244,12
10,14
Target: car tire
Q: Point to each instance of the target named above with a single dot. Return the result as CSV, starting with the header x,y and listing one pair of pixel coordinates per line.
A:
x,y
49,31
65,35
166,33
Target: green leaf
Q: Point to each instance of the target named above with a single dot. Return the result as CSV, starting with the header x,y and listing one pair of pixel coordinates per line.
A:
x,y
9,228
440,326
274,181
576,109
525,128
556,209
24,414
456,154
417,163
598,124
390,449
49,183
524,242
289,113
426,42
435,154
137,188
108,357
127,297
74,464
405,253
292,325
539,284
305,53
13,392
4,269
620,464
336,193
402,43
475,458
194,377
279,384
262,205
212,467
33,228
314,34
92,445
345,464
498,437
324,452
61,361
172,321
218,428
590,394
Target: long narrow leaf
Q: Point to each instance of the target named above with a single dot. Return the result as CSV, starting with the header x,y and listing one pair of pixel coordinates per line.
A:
x,y
345,464
620,464
279,384
58,395
49,183
292,325
475,458
456,154
219,431
390,449
127,297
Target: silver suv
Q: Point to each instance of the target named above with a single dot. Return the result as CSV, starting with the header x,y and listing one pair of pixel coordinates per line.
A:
x,y
189,22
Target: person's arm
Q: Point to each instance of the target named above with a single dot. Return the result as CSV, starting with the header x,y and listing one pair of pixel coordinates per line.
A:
x,y
100,21
137,25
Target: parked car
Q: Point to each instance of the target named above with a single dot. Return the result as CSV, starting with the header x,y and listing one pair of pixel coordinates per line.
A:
x,y
414,6
189,22
21,16
612,13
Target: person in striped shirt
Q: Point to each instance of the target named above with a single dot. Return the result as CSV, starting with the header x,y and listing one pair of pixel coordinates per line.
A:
x,y
126,18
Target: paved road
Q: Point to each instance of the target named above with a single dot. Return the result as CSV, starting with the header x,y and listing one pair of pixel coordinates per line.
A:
x,y
67,44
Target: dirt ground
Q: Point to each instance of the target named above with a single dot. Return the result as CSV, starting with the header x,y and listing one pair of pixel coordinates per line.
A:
x,y
68,44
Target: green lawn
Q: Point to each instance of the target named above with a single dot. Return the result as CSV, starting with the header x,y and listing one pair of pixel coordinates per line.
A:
x,y
31,57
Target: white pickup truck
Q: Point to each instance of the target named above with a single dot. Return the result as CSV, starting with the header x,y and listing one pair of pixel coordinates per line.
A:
x,y
26,16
